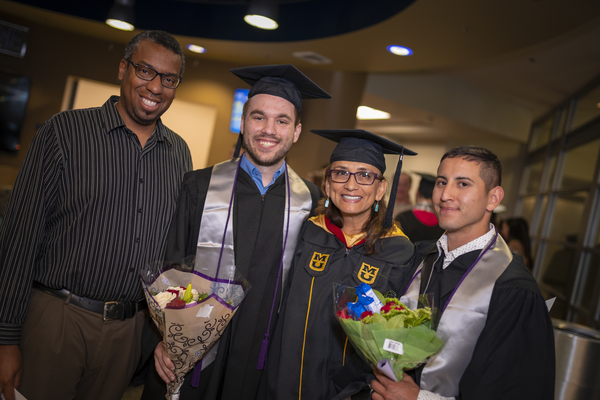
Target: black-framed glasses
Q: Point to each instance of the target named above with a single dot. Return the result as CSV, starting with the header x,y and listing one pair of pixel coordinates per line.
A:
x,y
361,177
146,73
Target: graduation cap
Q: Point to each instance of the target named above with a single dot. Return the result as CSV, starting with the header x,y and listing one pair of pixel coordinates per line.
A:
x,y
285,81
426,185
361,146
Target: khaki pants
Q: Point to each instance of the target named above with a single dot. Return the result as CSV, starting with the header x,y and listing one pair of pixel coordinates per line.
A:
x,y
72,353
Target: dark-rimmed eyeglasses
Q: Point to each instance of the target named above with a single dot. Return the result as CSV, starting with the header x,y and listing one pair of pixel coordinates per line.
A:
x,y
361,177
146,73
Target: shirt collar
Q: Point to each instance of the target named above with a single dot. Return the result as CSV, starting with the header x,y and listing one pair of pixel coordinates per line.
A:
x,y
477,244
256,175
113,120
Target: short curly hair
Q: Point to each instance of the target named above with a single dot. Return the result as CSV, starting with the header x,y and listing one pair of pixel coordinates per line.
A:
x,y
159,37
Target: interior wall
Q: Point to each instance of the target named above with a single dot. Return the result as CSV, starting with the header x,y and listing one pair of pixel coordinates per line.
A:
x,y
52,55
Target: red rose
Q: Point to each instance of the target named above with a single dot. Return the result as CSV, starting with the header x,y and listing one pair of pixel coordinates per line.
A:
x,y
390,304
176,304
365,314
343,314
385,309
399,308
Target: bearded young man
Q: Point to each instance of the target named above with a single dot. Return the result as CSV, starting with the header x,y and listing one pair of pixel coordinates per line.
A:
x,y
264,187
497,333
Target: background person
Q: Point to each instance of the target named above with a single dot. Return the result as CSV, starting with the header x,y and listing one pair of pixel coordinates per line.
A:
x,y
515,233
403,201
264,186
349,242
497,333
420,222
91,206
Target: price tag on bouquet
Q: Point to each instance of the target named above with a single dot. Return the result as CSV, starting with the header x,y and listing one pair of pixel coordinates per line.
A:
x,y
393,346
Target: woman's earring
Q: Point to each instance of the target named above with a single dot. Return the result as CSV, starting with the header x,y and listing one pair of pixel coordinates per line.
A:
x,y
377,206
327,202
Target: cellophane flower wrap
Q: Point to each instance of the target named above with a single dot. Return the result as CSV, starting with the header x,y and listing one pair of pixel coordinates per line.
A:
x,y
391,336
191,331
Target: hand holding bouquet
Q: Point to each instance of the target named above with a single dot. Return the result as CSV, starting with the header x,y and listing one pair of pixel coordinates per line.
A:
x,y
385,331
191,304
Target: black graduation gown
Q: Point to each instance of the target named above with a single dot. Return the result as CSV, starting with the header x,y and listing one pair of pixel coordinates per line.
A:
x,y
415,229
307,363
258,240
514,354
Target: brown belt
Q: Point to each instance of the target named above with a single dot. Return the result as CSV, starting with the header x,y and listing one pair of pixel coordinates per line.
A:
x,y
108,309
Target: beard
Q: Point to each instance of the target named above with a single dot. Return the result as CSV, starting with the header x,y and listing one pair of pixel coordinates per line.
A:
x,y
265,160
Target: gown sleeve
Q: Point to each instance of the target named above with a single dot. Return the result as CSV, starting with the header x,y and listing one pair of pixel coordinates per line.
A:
x,y
514,356
183,232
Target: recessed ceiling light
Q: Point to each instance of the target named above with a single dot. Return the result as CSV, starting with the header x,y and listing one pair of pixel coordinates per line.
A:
x,y
196,49
364,112
121,25
399,50
261,22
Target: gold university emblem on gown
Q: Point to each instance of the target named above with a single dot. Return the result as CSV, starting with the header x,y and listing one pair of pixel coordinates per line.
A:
x,y
318,261
367,273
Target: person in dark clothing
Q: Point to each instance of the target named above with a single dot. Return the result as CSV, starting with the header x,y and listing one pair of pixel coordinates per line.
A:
x,y
270,203
497,333
515,232
91,206
349,241
420,223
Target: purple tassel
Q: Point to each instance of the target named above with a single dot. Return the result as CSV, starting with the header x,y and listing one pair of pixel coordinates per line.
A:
x,y
196,376
262,356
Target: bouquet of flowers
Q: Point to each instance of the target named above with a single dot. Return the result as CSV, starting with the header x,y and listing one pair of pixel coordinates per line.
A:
x,y
191,304
386,332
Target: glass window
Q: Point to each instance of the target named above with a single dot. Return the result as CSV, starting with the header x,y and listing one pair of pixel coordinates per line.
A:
x,y
567,216
527,208
541,134
579,165
534,176
586,108
551,173
562,122
587,278
556,266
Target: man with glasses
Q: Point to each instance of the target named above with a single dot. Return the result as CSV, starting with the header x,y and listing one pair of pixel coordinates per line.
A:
x,y
91,206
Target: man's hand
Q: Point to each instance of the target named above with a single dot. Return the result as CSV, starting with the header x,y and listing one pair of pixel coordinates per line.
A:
x,y
387,389
10,370
164,365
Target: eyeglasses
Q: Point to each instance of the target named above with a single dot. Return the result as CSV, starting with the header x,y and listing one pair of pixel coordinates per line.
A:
x,y
362,177
146,73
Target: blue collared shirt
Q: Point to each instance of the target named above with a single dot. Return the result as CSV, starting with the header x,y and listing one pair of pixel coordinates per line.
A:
x,y
257,176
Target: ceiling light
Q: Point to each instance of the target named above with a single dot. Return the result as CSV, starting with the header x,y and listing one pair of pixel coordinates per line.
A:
x,y
121,15
399,50
263,14
364,112
196,49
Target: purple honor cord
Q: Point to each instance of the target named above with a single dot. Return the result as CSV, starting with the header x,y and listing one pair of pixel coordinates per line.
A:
x,y
262,357
489,246
198,367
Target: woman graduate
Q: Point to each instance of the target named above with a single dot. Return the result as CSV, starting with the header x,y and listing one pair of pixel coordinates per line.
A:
x,y
352,239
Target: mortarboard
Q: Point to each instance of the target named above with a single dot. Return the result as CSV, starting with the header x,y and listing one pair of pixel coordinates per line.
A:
x,y
285,81
426,185
361,146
